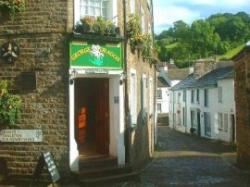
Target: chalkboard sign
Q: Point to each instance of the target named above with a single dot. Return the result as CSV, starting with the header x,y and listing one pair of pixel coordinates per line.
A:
x,y
47,160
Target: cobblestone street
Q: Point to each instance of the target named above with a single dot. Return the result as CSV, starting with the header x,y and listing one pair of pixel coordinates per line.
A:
x,y
184,160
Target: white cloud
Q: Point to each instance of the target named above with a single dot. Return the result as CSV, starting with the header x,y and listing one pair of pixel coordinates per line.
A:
x,y
170,14
220,3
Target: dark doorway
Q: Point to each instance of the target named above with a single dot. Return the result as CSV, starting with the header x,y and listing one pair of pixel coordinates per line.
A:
x,y
199,123
233,127
92,115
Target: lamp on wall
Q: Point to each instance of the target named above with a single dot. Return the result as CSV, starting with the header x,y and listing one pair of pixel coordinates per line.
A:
x,y
123,78
72,76
9,51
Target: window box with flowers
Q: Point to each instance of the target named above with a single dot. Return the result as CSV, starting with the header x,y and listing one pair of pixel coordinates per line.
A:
x,y
99,25
11,7
10,106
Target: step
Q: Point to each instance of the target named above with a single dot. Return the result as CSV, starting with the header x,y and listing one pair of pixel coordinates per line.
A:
x,y
97,162
100,181
104,172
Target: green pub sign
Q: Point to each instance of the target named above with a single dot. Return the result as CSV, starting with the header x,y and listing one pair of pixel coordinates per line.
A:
x,y
108,56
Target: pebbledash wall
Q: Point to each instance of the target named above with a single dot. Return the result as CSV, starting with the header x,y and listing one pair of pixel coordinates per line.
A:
x,y
242,98
42,32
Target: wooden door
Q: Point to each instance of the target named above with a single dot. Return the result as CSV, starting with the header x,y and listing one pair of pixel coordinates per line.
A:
x,y
102,116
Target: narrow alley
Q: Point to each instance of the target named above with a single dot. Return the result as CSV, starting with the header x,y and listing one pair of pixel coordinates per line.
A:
x,y
184,160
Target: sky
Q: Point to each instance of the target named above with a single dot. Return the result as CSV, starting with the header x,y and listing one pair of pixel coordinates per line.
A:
x,y
166,12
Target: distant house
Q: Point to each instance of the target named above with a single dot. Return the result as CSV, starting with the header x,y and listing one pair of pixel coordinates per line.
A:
x,y
169,76
203,103
242,98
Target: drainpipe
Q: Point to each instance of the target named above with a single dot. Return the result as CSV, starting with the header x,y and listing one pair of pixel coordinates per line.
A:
x,y
127,155
155,79
173,110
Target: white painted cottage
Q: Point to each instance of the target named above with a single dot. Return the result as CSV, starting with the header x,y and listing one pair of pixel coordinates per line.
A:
x,y
204,104
168,77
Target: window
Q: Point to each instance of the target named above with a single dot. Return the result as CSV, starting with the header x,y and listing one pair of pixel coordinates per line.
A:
x,y
159,94
184,95
220,121
206,97
225,122
159,108
151,101
192,96
95,8
144,92
198,96
207,123
132,6
133,97
183,117
220,94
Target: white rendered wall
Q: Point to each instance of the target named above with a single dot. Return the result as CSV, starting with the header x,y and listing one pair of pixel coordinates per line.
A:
x,y
214,107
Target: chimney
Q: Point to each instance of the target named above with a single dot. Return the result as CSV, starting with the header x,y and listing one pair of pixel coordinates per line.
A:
x,y
203,66
191,70
166,67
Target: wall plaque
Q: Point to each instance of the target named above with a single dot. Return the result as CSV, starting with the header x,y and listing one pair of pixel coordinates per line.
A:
x,y
28,80
18,135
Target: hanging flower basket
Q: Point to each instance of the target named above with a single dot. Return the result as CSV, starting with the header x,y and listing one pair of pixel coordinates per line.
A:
x,y
138,40
11,7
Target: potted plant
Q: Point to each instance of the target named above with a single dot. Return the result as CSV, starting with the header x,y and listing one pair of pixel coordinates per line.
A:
x,y
10,106
12,7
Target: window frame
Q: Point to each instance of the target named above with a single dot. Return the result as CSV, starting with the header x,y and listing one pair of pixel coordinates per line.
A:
x,y
206,97
112,13
159,94
192,96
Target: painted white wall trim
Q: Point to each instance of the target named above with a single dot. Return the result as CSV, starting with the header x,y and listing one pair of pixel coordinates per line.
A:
x,y
73,151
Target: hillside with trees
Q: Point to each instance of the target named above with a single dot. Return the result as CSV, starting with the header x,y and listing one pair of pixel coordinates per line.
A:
x,y
219,36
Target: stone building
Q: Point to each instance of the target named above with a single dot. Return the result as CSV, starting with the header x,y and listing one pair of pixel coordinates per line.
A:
x,y
242,99
92,96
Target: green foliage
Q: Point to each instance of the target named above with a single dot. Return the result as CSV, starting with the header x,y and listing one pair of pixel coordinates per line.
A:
x,y
12,6
10,105
133,25
96,26
138,40
230,54
211,37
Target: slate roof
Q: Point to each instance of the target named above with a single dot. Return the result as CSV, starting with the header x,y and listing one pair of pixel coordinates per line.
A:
x,y
211,78
186,83
208,80
163,80
177,73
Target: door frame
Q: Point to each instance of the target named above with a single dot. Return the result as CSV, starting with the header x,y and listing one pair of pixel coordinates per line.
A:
x,y
116,111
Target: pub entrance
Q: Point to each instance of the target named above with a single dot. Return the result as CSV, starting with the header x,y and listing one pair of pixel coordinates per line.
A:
x,y
92,115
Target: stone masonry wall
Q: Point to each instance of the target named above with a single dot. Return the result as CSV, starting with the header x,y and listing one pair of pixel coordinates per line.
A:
x,y
141,137
40,32
242,97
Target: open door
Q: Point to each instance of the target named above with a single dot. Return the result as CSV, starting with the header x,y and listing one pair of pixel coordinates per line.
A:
x,y
92,115
102,116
